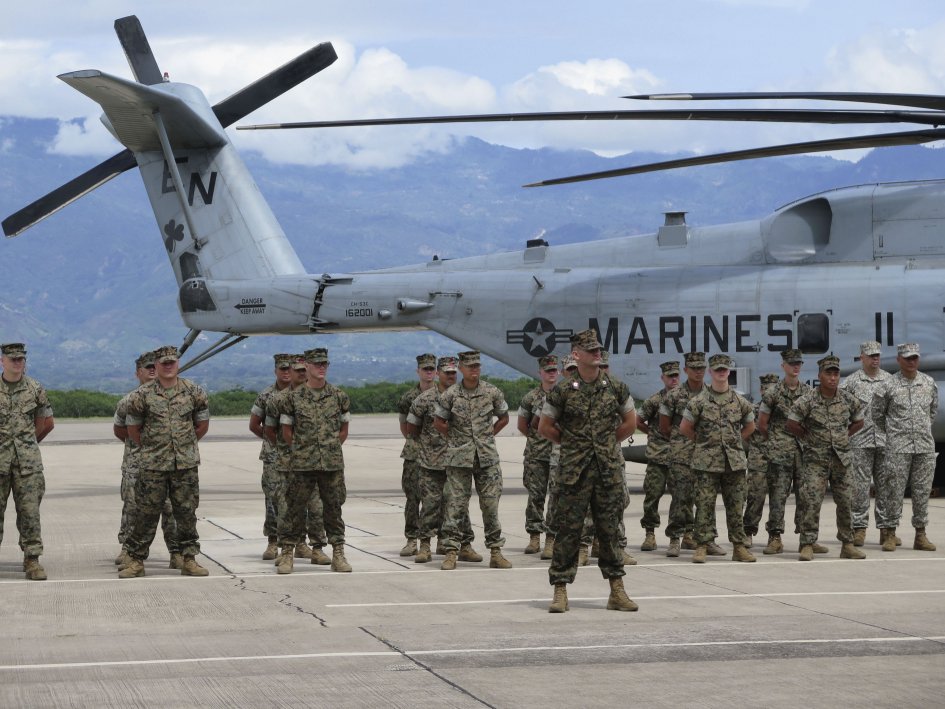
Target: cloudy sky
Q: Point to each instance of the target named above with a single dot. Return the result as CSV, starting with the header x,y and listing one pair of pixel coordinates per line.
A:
x,y
423,57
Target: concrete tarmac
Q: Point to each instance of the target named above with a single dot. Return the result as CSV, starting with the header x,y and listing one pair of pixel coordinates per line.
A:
x,y
776,633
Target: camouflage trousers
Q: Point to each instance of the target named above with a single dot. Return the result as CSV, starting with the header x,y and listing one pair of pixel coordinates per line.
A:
x,y
755,500
733,485
129,509
867,469
605,494
456,493
410,484
152,488
781,478
654,487
432,507
681,485
301,488
589,531
536,479
28,493
900,470
273,487
812,486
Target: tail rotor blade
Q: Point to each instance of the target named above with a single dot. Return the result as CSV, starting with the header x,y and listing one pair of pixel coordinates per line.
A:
x,y
138,50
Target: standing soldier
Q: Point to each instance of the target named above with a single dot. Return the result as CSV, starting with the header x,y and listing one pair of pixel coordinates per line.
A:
x,y
657,454
905,408
869,443
581,414
166,417
145,371
757,470
784,453
537,453
410,478
314,420
25,419
465,415
719,421
272,480
824,420
569,370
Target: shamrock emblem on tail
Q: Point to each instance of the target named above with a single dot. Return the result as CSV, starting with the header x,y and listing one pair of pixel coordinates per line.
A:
x,y
173,232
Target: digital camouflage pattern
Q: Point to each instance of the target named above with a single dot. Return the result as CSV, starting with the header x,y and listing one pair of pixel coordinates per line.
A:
x,y
470,414
168,418
432,483
432,445
268,452
757,480
777,402
673,406
316,417
272,480
865,388
658,448
718,419
680,482
410,451
457,491
535,467
658,454
410,475
302,487
152,489
21,403
536,447
706,488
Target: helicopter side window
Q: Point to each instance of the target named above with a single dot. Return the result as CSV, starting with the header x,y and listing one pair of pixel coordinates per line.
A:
x,y
813,335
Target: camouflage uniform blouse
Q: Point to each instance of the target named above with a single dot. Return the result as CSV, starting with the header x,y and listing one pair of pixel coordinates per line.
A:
x,y
657,445
129,460
20,405
470,413
431,443
316,417
411,449
282,453
268,452
757,449
676,401
718,420
168,418
865,388
777,402
536,447
905,409
587,414
827,421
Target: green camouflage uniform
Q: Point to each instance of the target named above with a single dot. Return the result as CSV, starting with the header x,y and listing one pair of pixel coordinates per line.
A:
x,y
471,456
718,460
757,480
21,465
168,461
588,474
658,452
273,482
410,478
535,464
784,452
681,480
825,458
868,444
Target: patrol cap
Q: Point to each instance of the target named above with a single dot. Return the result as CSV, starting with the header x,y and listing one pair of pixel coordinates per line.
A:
x,y
670,368
586,340
769,379
906,349
568,363
829,362
468,358
870,347
548,363
426,360
720,361
792,357
695,360
168,353
298,362
283,360
13,349
317,355
604,358
144,360
447,364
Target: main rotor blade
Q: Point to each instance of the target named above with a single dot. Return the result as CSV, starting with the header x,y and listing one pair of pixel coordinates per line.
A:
x,y
815,146
138,51
274,84
932,101
66,194
774,115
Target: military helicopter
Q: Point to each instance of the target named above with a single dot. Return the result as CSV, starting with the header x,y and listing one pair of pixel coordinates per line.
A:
x,y
820,274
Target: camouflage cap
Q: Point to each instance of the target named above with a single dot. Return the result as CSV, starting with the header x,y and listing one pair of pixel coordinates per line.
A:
x,y
670,368
871,347
447,364
828,362
298,362
426,360
586,340
317,355
548,363
168,353
695,360
283,360
792,357
720,361
604,358
567,362
144,360
767,379
906,349
13,349
468,358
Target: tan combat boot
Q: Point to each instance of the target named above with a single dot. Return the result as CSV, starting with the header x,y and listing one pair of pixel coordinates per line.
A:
x,y
34,570
859,536
449,563
582,555
627,559
122,558
618,599
820,548
649,541
272,550
922,542
774,544
559,603
439,547
424,554
549,550
673,550
177,561
749,541
849,551
303,551
534,544
192,568
319,557
338,561
688,542
700,554
595,548
134,569
285,562
714,549
410,548
497,561
467,553
888,538
741,553
807,553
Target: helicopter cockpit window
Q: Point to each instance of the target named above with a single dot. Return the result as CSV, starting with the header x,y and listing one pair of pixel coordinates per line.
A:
x,y
813,335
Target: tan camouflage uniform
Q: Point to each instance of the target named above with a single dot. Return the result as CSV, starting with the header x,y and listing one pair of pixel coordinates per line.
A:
x,y
535,464
784,452
681,481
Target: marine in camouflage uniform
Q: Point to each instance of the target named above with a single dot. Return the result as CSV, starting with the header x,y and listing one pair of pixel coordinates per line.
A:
x,y
905,409
784,452
167,417
314,419
145,372
465,414
569,370
757,470
719,421
868,444
410,478
25,419
824,419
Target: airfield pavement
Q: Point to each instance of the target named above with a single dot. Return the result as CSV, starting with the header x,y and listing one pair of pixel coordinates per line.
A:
x,y
777,633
